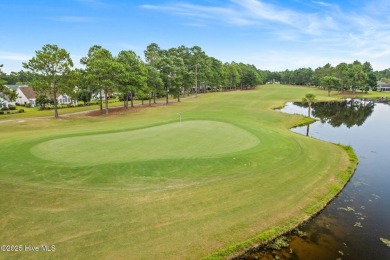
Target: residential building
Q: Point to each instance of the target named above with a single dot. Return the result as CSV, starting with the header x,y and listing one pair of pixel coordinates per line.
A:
x,y
4,102
4,99
26,95
64,99
383,86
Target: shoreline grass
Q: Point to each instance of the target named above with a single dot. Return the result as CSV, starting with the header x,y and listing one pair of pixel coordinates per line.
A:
x,y
262,239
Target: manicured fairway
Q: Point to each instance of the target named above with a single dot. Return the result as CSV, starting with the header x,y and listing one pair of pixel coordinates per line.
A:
x,y
144,185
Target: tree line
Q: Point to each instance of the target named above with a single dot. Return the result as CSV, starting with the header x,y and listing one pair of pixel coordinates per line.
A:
x,y
167,73
163,73
343,77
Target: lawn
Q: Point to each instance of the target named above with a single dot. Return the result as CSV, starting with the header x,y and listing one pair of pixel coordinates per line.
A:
x,y
36,112
201,178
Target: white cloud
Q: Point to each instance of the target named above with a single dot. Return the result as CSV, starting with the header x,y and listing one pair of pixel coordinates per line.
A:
x,y
10,56
261,11
323,4
251,13
286,35
377,7
224,14
334,33
277,60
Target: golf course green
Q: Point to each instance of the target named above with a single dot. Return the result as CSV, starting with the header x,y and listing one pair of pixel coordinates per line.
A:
x,y
169,141
205,178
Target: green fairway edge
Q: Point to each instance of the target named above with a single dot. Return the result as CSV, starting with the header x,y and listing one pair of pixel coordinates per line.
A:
x,y
312,210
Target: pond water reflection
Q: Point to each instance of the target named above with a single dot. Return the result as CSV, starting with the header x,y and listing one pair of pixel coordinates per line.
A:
x,y
352,225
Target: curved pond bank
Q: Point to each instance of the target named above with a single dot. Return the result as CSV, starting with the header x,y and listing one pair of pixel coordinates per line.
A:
x,y
356,224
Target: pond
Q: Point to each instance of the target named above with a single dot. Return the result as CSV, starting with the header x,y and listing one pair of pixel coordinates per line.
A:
x,y
356,224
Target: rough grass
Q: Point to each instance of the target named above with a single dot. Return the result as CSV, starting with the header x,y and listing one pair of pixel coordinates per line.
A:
x,y
186,204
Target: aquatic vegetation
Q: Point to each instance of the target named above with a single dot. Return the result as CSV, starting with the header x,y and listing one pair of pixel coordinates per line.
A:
x,y
359,183
279,243
358,224
359,216
300,233
385,241
346,209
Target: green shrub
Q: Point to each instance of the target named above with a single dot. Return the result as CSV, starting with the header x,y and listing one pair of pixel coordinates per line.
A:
x,y
4,109
11,107
279,243
1,112
21,110
27,105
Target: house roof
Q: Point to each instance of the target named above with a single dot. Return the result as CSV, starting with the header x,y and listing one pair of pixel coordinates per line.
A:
x,y
28,92
14,87
383,84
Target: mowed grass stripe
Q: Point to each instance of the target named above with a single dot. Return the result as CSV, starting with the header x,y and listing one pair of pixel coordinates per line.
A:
x,y
172,208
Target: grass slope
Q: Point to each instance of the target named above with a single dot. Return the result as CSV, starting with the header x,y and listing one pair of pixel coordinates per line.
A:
x,y
232,175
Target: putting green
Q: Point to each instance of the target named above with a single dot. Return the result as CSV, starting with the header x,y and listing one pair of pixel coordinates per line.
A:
x,y
189,139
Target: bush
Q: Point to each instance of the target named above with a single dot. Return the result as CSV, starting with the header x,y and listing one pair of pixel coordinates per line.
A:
x,y
11,107
28,105
279,243
4,109
21,110
1,112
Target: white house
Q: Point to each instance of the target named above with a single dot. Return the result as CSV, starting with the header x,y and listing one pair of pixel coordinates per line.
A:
x,y
383,86
63,99
26,95
4,102
96,96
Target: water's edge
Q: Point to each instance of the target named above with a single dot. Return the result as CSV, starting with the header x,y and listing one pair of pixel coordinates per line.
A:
x,y
242,250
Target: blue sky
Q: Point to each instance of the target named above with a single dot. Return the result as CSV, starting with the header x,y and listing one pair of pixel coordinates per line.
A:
x,y
271,34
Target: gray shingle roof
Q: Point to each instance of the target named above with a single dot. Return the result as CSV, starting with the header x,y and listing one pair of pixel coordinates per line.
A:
x,y
14,87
